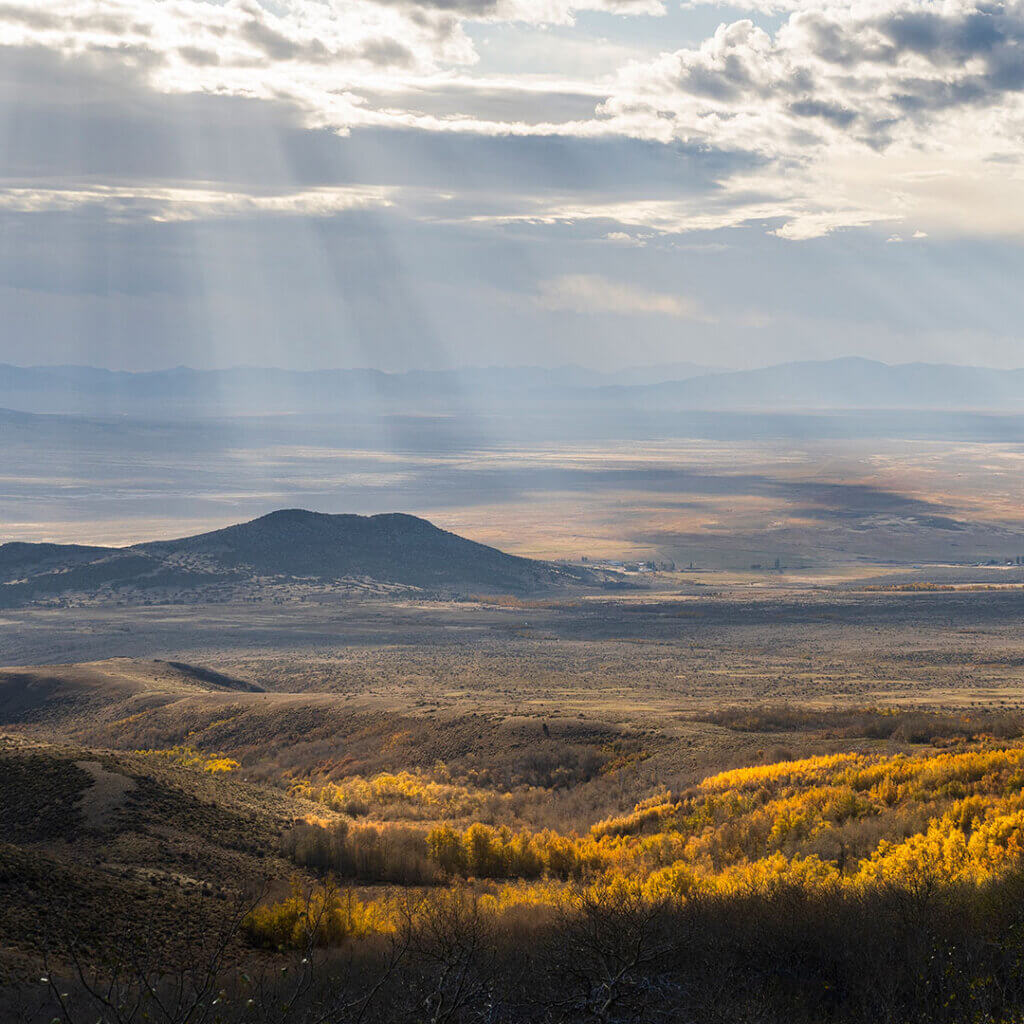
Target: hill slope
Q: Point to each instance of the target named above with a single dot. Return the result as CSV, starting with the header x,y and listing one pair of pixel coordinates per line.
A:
x,y
284,549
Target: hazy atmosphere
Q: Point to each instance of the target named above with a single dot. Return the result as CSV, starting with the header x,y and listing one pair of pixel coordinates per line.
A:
x,y
511,512
419,184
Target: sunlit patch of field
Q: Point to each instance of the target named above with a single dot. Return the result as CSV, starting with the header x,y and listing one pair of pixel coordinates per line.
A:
x,y
549,526
984,481
104,532
746,500
721,504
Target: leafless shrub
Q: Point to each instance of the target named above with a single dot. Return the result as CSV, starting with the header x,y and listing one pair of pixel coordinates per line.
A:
x,y
387,853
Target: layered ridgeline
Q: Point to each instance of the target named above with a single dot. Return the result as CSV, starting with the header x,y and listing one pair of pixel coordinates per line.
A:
x,y
286,551
259,390
848,383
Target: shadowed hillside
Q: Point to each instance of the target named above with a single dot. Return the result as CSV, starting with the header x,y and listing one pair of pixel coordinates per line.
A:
x,y
277,552
393,548
60,695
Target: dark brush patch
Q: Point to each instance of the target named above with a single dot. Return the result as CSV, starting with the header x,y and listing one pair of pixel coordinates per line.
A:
x,y
39,797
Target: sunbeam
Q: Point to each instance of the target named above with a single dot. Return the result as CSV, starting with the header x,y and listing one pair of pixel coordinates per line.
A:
x,y
511,512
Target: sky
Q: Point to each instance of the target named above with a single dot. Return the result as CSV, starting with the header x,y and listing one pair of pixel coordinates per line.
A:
x,y
434,183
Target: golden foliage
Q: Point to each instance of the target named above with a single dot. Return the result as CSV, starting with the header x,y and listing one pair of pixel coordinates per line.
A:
x,y
838,822
404,794
189,757
324,916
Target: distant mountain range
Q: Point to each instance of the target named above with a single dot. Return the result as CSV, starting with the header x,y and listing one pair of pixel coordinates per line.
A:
x,y
851,383
281,554
253,390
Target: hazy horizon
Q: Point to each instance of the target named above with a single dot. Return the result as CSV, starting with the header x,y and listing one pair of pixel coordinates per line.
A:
x,y
693,330
602,369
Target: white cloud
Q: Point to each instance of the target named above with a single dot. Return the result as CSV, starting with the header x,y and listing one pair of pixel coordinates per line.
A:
x,y
593,294
862,113
624,238
869,75
185,204
186,44
883,113
733,206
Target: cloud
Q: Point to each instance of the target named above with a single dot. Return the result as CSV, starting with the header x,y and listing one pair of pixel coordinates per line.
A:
x,y
337,179
876,78
847,104
311,52
843,115
185,204
594,294
624,238
549,12
304,51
